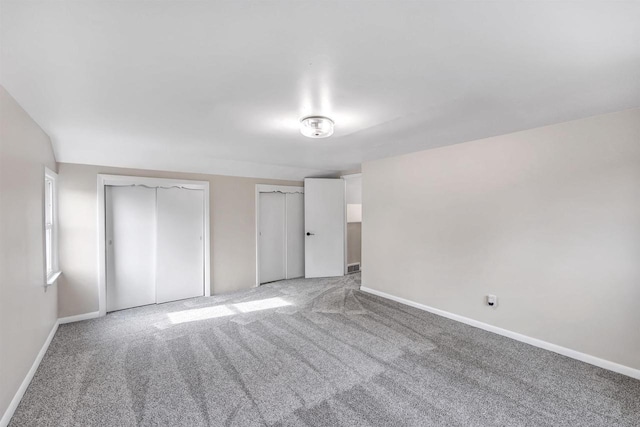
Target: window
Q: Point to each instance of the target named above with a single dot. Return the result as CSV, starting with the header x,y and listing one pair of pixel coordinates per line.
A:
x,y
51,226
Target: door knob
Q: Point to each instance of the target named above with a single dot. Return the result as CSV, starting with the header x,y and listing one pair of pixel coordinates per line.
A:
x,y
310,234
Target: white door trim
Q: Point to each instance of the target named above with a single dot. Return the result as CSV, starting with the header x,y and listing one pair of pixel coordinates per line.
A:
x,y
264,188
122,180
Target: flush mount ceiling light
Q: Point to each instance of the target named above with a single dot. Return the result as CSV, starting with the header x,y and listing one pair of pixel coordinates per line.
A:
x,y
316,126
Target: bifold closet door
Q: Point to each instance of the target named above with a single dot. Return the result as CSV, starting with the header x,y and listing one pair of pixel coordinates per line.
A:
x,y
295,235
180,244
131,241
272,237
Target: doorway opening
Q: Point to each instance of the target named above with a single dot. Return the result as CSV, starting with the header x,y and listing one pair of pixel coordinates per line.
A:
x,y
353,236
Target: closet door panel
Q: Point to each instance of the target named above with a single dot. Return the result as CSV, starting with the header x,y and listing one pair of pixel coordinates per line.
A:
x,y
130,214
295,235
272,237
180,244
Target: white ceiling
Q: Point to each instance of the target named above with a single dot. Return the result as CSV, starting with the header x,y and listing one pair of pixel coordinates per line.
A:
x,y
219,87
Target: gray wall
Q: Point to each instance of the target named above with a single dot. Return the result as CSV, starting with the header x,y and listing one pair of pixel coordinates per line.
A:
x,y
27,312
233,236
547,219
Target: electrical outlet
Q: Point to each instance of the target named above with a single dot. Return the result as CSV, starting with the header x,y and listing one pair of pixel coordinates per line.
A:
x,y
492,300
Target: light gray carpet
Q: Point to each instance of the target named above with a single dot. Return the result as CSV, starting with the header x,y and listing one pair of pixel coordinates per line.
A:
x,y
334,356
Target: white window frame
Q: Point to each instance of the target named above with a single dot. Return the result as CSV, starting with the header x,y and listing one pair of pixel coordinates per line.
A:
x,y
50,216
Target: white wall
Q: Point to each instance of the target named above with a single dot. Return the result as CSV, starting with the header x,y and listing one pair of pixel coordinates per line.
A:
x,y
27,312
547,219
233,236
354,190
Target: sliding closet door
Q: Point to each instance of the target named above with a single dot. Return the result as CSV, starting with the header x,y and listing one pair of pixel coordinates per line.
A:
x,y
295,235
272,237
180,244
130,234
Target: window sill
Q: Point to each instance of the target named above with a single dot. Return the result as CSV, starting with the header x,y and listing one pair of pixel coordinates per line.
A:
x,y
51,279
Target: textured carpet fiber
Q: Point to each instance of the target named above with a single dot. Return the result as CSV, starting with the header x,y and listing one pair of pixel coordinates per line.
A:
x,y
310,352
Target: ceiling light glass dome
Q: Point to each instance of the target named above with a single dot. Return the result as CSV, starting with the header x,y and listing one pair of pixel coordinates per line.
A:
x,y
316,127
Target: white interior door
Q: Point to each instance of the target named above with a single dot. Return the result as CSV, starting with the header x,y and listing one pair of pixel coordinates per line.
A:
x,y
272,237
324,217
180,244
295,235
130,214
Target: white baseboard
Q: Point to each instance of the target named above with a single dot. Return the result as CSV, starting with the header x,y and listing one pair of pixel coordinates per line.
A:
x,y
78,317
4,422
583,357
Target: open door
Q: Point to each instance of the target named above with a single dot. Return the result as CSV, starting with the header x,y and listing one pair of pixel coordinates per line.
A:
x,y
324,219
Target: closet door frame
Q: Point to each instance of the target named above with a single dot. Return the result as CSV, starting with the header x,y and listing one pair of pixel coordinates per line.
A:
x,y
122,180
262,188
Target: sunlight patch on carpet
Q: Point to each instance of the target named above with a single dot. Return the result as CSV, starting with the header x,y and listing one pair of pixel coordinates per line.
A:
x,y
196,314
